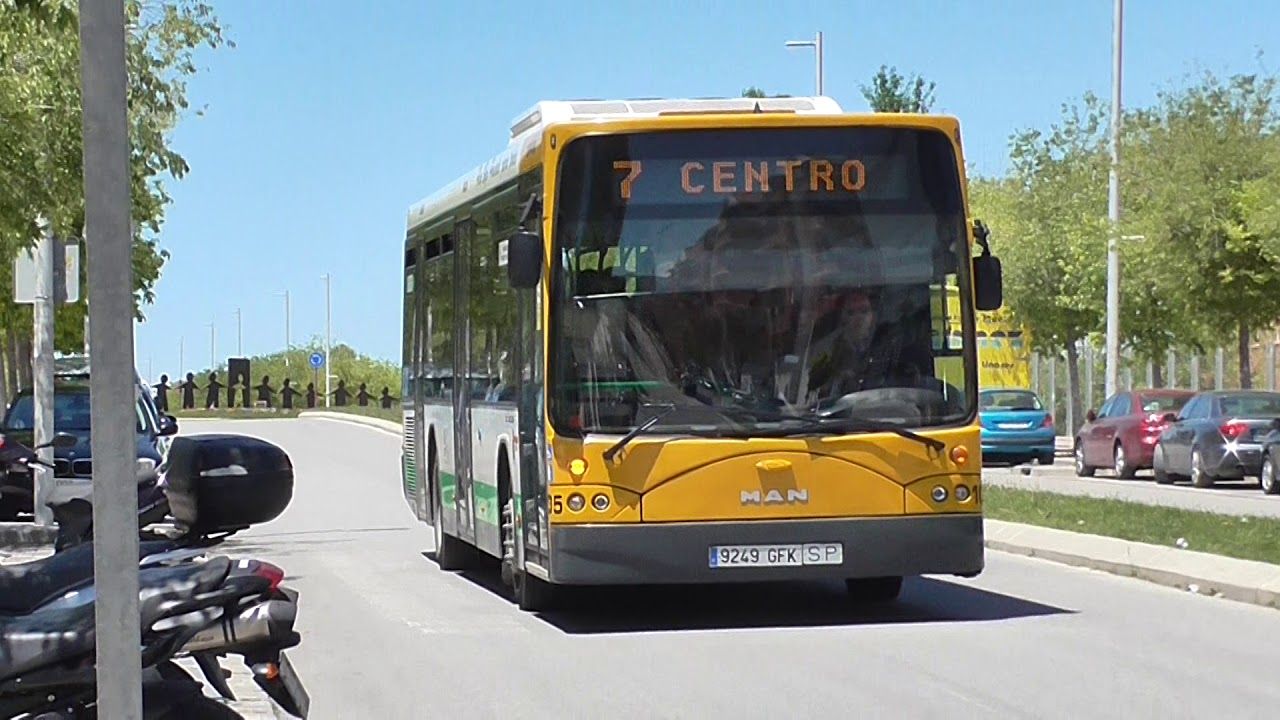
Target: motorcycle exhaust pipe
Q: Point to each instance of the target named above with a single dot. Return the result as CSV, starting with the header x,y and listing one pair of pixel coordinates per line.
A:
x,y
268,621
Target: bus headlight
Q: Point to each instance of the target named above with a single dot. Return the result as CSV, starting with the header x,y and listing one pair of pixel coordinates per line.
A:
x,y
939,494
600,502
577,502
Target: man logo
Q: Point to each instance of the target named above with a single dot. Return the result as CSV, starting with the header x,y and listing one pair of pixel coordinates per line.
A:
x,y
773,497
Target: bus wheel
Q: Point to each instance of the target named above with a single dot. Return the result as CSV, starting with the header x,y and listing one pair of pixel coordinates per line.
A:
x,y
451,553
874,590
533,594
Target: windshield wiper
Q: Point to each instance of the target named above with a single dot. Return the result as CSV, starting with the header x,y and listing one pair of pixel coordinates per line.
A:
x,y
863,425
667,409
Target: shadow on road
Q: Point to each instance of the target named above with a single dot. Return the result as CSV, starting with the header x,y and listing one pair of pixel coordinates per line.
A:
x,y
628,609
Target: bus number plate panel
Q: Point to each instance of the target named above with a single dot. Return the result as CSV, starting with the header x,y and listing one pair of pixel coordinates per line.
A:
x,y
794,555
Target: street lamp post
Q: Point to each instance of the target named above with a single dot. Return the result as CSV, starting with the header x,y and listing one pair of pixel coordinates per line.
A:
x,y
816,44
288,336
239,336
1113,207
213,344
328,335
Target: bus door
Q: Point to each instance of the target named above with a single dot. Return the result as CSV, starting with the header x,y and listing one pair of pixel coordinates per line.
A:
x,y
464,232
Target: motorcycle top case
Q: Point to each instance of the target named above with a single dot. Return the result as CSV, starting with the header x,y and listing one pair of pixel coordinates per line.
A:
x,y
221,483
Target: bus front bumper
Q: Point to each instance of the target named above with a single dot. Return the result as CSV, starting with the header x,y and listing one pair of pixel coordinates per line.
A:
x,y
659,553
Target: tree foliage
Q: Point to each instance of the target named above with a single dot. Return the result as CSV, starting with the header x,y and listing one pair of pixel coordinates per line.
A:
x,y
40,120
1202,165
891,92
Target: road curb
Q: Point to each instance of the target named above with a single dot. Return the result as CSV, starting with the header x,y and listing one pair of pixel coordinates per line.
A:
x,y
20,534
376,423
1247,581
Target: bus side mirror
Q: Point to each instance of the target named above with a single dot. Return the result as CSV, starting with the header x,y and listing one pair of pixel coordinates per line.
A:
x,y
524,259
988,282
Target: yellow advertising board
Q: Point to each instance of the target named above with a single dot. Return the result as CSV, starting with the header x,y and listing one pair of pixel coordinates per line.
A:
x,y
1004,353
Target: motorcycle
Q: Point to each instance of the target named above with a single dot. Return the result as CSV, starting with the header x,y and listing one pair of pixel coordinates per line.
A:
x,y
246,613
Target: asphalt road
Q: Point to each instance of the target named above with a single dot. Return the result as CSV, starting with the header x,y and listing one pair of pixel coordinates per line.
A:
x,y
1229,497
388,635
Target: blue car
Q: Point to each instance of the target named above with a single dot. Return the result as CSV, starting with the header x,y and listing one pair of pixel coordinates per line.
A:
x,y
1016,428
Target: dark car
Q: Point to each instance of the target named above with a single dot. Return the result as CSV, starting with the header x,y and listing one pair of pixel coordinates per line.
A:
x,y
1123,434
71,415
1217,435
1270,460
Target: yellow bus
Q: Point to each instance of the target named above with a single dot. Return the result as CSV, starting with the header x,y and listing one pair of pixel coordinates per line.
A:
x,y
699,341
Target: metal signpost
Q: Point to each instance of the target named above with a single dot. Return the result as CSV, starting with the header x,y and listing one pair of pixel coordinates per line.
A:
x,y
44,278
111,389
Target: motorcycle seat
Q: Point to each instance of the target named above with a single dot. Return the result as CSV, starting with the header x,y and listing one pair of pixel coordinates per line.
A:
x,y
24,587
45,638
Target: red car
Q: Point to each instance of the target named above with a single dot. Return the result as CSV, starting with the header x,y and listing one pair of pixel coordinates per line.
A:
x,y
1123,434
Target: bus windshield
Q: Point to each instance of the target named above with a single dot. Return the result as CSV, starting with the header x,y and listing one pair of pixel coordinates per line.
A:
x,y
751,276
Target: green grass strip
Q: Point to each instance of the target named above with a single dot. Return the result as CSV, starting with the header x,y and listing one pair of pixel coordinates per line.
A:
x,y
1247,538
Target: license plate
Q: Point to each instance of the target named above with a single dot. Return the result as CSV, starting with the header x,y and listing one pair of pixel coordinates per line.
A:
x,y
1014,426
794,555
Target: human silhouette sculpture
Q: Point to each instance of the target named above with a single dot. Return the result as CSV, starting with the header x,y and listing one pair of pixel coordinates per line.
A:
x,y
342,395
189,389
214,388
266,393
386,398
311,395
362,396
232,386
287,394
162,394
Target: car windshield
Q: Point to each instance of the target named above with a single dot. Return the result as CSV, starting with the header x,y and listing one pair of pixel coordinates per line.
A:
x,y
1257,405
1009,400
1161,404
751,276
70,413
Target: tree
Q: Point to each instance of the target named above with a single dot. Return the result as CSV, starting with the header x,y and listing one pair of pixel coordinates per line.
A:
x,y
889,91
1204,164
1051,214
40,130
755,92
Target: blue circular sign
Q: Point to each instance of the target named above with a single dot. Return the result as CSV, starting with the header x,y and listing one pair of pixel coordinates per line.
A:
x,y
317,361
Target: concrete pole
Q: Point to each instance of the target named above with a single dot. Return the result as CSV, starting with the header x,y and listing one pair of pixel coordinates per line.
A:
x,y
1172,379
1053,383
109,244
1271,365
328,336
1088,375
1195,373
1113,206
1219,369
42,369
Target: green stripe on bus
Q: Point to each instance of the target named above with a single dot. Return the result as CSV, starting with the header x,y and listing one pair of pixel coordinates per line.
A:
x,y
448,489
486,503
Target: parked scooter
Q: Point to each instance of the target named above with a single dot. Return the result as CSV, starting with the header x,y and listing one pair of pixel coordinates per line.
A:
x,y
246,613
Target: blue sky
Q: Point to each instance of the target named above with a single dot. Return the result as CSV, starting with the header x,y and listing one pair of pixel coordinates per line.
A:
x,y
329,119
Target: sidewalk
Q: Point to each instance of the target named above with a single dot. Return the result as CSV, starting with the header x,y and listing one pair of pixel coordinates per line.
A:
x,y
1242,580
377,423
